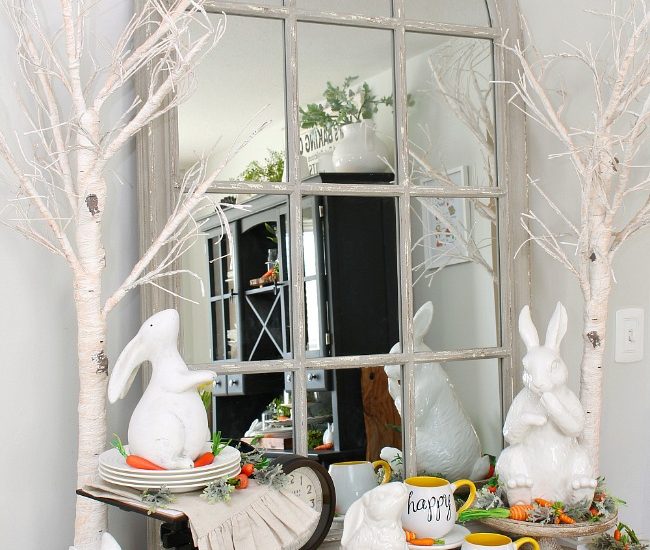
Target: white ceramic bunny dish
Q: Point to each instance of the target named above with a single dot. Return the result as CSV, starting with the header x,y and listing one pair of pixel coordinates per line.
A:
x,y
446,441
169,425
544,459
374,522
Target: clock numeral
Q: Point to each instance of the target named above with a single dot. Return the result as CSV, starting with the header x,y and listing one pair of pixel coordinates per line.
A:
x,y
313,502
309,489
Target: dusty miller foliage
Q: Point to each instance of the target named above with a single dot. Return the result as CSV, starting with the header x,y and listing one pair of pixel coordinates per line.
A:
x,y
157,499
273,476
218,491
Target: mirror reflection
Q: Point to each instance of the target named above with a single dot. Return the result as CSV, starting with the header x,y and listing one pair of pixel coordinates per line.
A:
x,y
346,102
455,269
468,12
361,415
359,7
457,416
242,261
451,121
216,117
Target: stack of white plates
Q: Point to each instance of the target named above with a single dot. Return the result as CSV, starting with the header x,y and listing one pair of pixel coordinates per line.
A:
x,y
114,469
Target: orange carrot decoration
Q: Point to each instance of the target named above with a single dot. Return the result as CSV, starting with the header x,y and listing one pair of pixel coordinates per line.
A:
x,y
141,463
204,460
520,511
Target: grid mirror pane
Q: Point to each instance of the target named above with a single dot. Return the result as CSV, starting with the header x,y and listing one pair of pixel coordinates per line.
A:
x,y
465,12
250,59
351,414
455,273
254,407
451,120
351,275
458,418
358,7
243,265
346,91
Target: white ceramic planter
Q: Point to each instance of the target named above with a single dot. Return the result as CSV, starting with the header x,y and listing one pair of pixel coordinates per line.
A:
x,y
360,150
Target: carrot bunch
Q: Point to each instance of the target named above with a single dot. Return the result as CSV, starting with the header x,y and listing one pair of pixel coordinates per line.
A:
x,y
558,509
412,538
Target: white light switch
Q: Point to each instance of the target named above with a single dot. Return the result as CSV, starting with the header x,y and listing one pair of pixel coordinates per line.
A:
x,y
629,335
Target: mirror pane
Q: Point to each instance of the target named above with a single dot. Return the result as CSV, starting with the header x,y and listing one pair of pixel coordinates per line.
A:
x,y
249,58
358,7
458,418
274,3
346,103
255,407
351,414
465,12
455,273
352,286
451,119
242,263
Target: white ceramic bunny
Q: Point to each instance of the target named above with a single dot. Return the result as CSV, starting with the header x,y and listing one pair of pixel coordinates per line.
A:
x,y
374,522
169,425
446,442
544,459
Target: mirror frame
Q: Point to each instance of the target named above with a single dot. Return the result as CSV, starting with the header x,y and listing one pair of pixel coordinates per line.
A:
x,y
157,155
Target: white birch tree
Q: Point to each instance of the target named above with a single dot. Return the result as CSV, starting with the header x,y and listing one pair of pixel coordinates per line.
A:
x,y
62,174
607,158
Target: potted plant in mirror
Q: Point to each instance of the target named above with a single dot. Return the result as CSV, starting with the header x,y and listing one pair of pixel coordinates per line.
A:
x,y
360,150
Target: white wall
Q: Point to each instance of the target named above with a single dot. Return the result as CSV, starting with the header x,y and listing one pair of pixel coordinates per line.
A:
x,y
39,385
625,433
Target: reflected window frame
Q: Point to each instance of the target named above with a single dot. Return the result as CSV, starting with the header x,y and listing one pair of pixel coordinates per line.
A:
x,y
510,168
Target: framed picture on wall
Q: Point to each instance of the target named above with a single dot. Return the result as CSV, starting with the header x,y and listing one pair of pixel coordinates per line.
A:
x,y
446,225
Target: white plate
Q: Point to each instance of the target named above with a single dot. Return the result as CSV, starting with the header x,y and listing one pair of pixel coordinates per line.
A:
x,y
170,474
201,476
453,539
113,461
158,483
174,487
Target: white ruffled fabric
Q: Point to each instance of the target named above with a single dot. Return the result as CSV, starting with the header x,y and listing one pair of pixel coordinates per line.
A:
x,y
255,518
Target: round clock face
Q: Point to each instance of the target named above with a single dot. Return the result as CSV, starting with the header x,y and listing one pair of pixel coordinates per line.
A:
x,y
304,483
311,483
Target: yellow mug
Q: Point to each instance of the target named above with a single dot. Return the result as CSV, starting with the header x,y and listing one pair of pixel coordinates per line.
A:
x,y
483,541
355,478
430,508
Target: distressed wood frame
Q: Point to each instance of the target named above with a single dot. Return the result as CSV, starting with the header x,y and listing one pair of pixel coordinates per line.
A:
x,y
157,152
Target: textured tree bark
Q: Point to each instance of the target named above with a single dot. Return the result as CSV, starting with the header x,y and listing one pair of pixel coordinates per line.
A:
x,y
91,516
595,326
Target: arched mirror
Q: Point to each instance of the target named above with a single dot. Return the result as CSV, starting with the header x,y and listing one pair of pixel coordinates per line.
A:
x,y
358,282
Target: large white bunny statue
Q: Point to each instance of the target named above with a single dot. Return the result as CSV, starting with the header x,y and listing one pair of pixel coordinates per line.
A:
x,y
544,459
374,522
446,442
169,425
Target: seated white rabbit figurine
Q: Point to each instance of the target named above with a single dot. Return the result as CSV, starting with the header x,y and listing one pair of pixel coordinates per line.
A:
x,y
169,425
446,442
544,459
374,522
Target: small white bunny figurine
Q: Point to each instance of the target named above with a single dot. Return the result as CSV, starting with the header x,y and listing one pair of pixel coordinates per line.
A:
x,y
169,425
544,459
328,434
446,441
374,522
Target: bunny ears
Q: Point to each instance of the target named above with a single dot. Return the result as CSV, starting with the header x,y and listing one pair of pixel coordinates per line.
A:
x,y
554,333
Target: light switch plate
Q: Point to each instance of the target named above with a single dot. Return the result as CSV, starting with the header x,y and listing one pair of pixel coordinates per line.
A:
x,y
630,335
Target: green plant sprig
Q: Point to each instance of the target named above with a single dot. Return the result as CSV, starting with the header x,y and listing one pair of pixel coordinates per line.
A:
x,y
217,444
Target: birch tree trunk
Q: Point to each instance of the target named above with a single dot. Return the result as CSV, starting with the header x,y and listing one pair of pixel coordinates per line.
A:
x,y
596,297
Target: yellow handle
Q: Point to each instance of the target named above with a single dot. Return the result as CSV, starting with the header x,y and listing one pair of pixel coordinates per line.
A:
x,y
524,540
472,493
387,471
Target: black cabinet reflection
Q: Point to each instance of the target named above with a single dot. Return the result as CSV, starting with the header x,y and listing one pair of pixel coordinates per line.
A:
x,y
351,308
